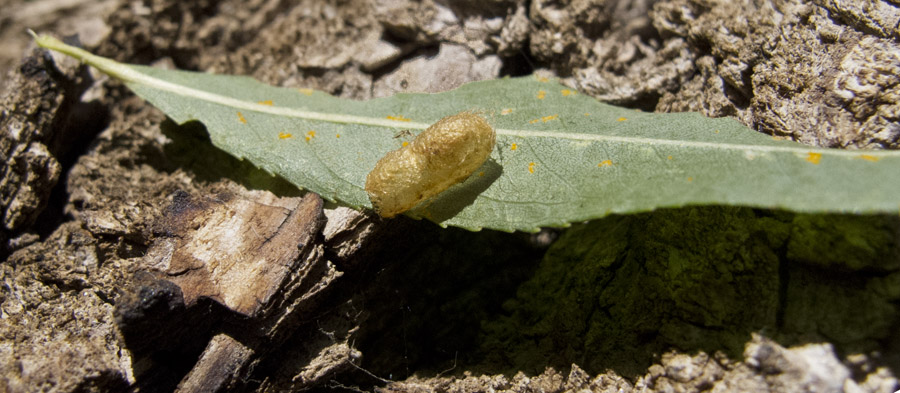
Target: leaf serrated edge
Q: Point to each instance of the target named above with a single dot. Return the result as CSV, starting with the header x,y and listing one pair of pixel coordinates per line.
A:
x,y
130,75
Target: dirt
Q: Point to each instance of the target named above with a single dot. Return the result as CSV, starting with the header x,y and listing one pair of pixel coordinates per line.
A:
x,y
694,299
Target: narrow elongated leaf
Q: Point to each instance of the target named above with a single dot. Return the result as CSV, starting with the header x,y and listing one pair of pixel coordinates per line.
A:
x,y
560,157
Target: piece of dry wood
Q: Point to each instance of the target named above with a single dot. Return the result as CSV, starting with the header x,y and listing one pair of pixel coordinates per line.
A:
x,y
42,119
222,359
258,256
236,250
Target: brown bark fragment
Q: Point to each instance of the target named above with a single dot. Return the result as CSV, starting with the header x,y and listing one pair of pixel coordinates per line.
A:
x,y
223,358
257,255
32,100
237,251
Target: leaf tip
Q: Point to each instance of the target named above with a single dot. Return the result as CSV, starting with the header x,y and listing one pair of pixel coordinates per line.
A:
x,y
46,41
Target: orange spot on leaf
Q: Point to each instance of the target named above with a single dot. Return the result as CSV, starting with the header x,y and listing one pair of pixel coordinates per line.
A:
x,y
398,118
241,118
541,94
543,119
622,119
567,92
531,167
284,135
266,102
605,163
310,135
513,146
337,136
405,143
814,157
506,111
869,158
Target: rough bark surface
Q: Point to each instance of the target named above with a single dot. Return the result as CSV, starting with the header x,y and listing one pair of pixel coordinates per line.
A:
x,y
138,256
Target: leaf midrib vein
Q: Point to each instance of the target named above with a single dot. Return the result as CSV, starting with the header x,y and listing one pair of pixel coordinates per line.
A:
x,y
552,134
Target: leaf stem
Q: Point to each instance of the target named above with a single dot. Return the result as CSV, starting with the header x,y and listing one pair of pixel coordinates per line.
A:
x,y
107,66
132,76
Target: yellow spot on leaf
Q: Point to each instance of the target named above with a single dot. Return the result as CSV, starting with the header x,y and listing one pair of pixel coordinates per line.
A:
x,y
241,118
506,111
284,135
543,119
814,157
310,135
513,146
543,79
541,94
398,118
567,92
716,131
690,179
669,157
778,138
587,114
869,158
266,102
480,174
337,136
405,143
605,163
622,119
531,167
306,91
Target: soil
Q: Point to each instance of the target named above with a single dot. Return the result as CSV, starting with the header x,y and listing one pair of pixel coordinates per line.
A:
x,y
137,256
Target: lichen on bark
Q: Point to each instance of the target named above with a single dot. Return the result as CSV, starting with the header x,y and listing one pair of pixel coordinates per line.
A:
x,y
617,291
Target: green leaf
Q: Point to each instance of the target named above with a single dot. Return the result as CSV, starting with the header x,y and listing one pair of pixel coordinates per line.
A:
x,y
561,157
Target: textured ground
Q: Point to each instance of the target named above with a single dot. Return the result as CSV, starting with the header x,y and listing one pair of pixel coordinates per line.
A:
x,y
685,300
